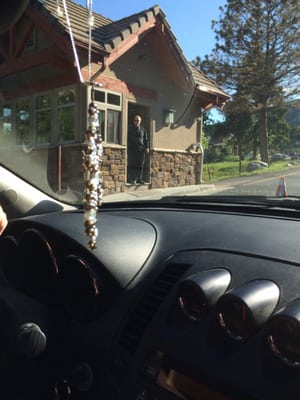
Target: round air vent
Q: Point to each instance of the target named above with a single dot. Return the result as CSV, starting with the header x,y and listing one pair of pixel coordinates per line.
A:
x,y
243,310
38,268
79,288
200,291
283,334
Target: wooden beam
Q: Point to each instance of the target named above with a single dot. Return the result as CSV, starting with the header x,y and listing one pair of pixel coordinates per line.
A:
x,y
59,39
45,56
20,46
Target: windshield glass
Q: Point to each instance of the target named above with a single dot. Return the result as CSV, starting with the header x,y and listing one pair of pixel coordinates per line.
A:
x,y
123,100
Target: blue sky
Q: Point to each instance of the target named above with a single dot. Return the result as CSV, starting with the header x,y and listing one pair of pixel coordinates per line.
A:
x,y
190,20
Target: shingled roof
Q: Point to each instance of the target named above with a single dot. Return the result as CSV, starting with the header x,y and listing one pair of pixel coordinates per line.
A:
x,y
204,83
107,34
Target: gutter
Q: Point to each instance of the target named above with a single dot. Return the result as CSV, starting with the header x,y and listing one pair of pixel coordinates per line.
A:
x,y
101,69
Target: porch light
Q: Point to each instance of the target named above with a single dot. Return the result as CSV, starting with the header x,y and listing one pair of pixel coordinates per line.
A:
x,y
170,116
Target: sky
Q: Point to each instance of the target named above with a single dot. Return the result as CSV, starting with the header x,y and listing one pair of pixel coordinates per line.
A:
x,y
190,20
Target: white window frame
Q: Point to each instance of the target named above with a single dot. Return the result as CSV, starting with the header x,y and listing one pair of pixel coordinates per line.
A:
x,y
33,111
105,106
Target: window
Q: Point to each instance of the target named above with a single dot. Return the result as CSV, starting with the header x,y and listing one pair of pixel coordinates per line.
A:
x,y
47,118
5,125
109,105
23,120
113,126
43,119
66,115
113,99
102,122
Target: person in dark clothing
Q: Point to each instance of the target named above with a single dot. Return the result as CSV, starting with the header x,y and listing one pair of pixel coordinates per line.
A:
x,y
138,147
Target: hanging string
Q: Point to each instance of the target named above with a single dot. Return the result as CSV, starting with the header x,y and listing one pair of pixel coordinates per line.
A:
x,y
92,158
90,20
92,154
92,149
58,9
72,41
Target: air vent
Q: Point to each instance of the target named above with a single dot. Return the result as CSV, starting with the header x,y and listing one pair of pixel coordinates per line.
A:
x,y
147,307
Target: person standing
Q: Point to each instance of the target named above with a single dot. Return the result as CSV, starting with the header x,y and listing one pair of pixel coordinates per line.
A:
x,y
138,147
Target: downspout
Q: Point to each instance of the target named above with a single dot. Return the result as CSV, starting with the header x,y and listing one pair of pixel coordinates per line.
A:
x,y
100,71
187,106
199,129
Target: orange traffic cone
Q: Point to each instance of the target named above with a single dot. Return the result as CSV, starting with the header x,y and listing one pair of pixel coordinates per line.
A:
x,y
281,190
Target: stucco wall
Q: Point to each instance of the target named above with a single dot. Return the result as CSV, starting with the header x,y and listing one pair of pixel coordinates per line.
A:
x,y
139,68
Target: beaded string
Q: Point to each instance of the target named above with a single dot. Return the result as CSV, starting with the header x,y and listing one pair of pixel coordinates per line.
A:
x,y
92,149
92,158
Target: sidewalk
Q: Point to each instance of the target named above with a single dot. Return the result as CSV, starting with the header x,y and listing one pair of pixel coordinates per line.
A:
x,y
141,193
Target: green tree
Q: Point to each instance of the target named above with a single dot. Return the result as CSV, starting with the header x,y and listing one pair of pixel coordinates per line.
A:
x,y
241,125
279,130
257,56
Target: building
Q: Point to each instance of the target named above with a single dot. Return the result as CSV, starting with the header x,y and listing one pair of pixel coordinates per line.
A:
x,y
47,57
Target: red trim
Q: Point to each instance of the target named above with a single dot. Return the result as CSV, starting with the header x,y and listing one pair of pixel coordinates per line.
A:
x,y
130,41
123,87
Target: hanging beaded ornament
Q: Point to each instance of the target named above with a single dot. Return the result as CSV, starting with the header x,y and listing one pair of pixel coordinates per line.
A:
x,y
92,147
92,158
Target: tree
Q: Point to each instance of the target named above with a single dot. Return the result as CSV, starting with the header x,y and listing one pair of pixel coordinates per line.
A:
x,y
257,56
242,125
279,130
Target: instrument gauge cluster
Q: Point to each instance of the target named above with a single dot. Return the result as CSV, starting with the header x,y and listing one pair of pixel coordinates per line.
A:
x,y
36,265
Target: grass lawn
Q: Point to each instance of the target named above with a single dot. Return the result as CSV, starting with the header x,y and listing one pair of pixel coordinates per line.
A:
x,y
213,172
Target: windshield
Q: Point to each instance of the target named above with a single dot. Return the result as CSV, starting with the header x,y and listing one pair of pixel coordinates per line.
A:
x,y
114,101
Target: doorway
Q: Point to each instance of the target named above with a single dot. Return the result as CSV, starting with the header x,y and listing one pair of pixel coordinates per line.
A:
x,y
144,112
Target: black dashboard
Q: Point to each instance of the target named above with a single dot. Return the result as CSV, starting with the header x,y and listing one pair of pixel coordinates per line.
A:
x,y
174,303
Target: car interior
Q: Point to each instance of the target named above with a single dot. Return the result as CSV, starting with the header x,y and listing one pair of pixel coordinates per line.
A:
x,y
183,297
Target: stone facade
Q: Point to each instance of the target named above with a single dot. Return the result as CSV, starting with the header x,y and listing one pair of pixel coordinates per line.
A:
x,y
114,170
167,169
172,169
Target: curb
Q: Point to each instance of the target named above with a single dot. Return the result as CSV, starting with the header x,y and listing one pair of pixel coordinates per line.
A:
x,y
156,194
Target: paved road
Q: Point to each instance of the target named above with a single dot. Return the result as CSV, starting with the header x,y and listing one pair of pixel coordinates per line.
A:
x,y
265,184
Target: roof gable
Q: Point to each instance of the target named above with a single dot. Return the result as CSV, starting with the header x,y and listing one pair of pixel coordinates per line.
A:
x,y
117,37
112,39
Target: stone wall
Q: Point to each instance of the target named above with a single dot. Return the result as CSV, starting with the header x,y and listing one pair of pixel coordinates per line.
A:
x,y
114,170
175,168
167,168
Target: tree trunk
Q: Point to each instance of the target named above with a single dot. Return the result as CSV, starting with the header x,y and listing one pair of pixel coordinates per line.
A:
x,y
241,156
263,134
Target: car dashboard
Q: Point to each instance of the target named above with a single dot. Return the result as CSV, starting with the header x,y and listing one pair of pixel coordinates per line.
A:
x,y
175,302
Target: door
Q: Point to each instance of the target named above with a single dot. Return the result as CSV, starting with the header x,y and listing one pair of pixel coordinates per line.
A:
x,y
134,167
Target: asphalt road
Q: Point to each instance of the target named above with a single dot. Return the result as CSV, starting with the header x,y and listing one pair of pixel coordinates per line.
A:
x,y
265,184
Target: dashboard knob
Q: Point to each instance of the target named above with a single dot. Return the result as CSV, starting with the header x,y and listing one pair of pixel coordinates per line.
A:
x,y
30,340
